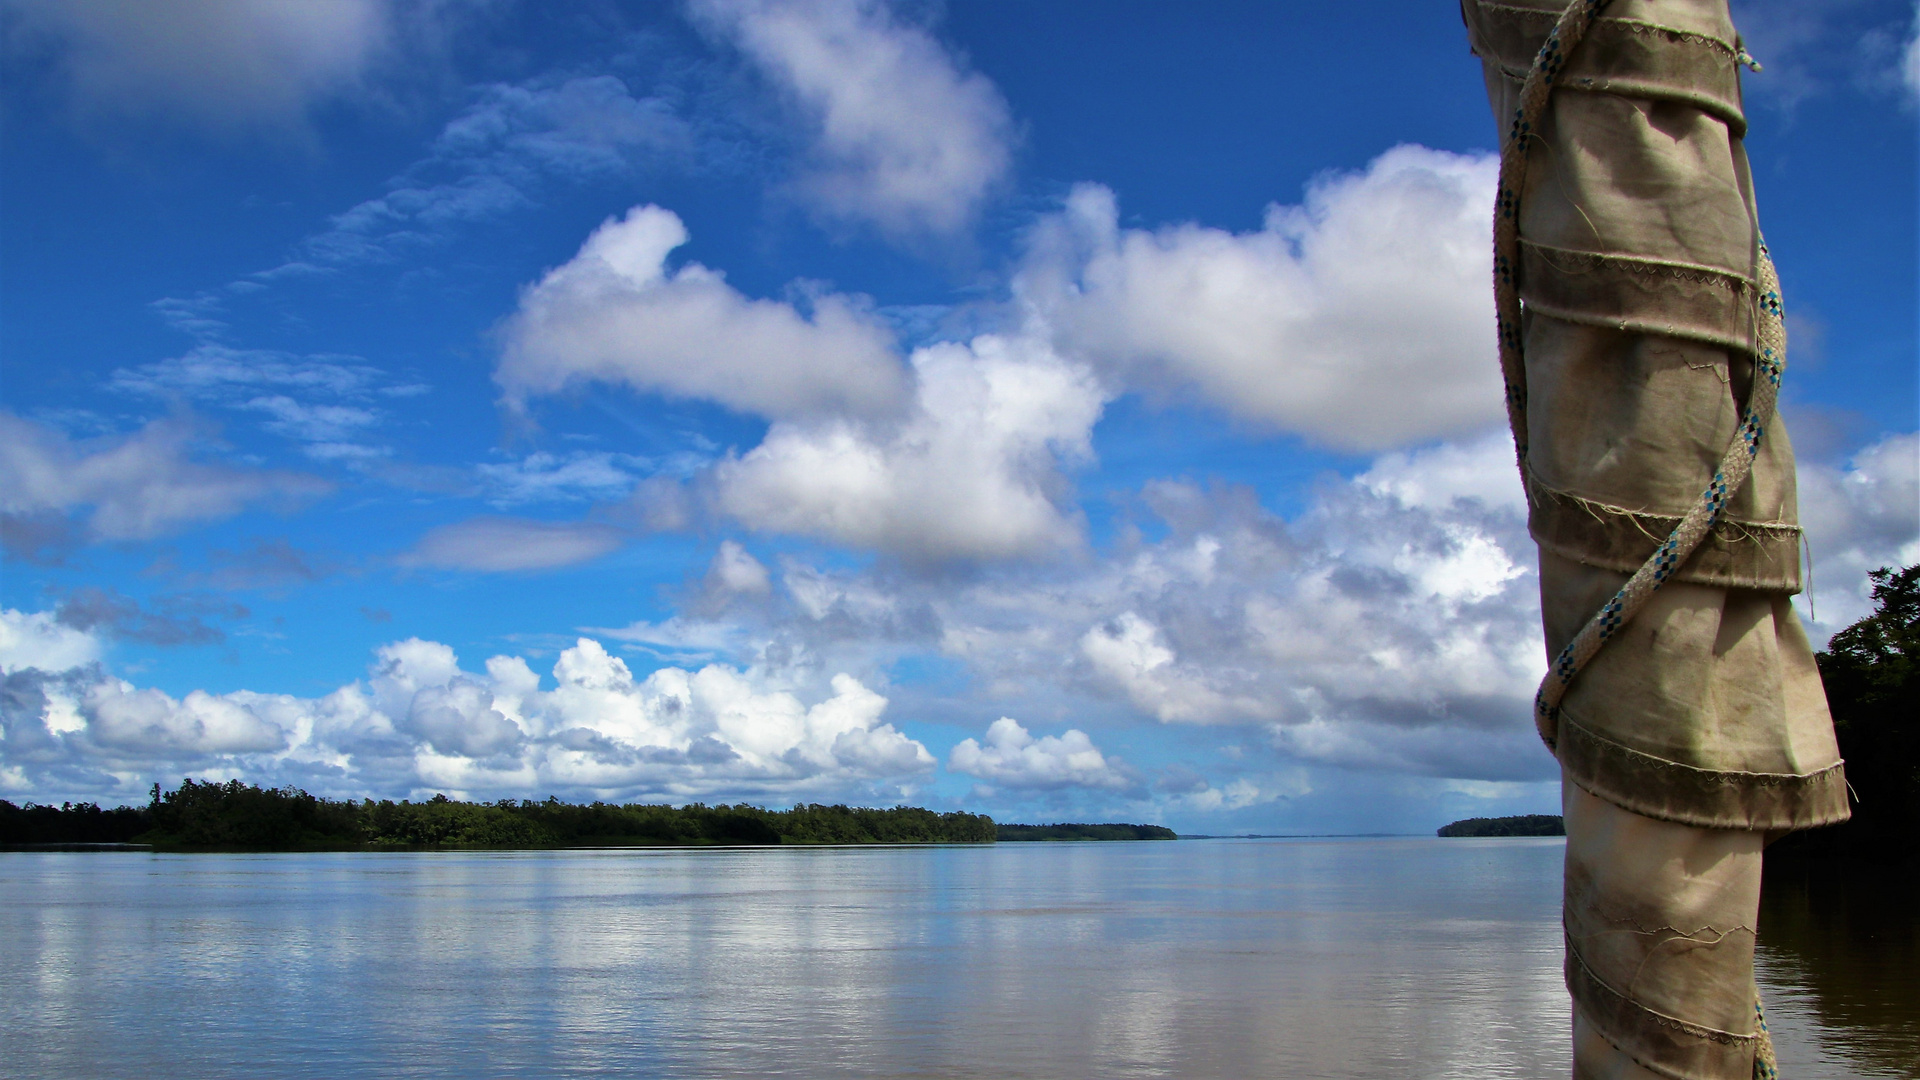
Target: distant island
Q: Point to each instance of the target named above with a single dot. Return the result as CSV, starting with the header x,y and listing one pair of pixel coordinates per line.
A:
x,y
1519,825
209,816
1006,833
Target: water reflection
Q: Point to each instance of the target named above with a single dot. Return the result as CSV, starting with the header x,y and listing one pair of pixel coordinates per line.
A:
x,y
1375,959
1840,962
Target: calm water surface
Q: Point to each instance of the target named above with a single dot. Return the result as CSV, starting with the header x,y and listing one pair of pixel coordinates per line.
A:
x,y
1193,959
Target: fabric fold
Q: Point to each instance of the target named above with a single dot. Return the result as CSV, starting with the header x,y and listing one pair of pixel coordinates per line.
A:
x,y
1632,310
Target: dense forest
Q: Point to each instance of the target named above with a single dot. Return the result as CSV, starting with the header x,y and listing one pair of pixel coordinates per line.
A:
x,y
1872,673
1518,825
1084,832
207,815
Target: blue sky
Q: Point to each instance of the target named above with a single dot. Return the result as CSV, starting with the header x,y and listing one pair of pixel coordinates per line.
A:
x,y
1059,410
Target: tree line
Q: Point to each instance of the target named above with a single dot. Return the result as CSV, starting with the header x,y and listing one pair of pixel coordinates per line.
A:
x,y
1083,832
234,815
1517,825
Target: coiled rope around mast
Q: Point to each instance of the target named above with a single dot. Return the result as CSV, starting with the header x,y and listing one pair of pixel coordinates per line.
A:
x,y
1769,361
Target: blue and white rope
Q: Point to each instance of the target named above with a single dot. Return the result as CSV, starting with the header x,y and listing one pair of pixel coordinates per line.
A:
x,y
1770,356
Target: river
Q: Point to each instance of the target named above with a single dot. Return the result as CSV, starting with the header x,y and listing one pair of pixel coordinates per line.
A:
x,y
1335,958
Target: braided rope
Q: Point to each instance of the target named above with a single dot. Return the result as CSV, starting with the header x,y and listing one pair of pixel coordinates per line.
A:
x,y
1770,357
1765,1065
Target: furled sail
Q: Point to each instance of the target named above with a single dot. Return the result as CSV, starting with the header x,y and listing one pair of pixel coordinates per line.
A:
x,y
1643,339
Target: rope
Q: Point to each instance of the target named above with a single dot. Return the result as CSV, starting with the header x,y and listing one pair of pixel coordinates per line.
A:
x,y
1765,1065
1769,362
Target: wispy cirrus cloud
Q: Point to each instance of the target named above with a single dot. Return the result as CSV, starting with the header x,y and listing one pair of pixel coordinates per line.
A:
x,y
330,405
511,144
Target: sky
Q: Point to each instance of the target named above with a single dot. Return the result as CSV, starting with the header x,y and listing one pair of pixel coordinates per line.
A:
x,y
1063,411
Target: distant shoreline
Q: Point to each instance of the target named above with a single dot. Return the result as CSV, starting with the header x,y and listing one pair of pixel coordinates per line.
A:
x,y
206,816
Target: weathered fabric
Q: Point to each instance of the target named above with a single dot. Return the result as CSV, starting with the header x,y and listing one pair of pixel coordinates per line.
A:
x,y
1640,252
1660,923
1701,725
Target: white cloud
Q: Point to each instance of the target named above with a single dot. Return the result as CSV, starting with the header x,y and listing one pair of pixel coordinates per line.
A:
x,y
1235,795
1361,319
616,314
40,640
1910,60
735,570
420,722
138,723
1402,616
132,487
902,136
1861,517
968,466
1434,477
495,544
222,63
1132,654
1013,758
973,471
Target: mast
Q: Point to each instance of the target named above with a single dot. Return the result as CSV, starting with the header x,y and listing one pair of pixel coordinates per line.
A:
x,y
1643,342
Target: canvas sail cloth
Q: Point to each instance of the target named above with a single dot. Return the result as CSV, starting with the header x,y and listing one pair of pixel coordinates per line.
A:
x,y
1700,727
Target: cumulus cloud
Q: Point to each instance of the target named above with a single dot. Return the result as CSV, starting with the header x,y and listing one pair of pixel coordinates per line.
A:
x,y
497,544
616,314
132,487
1402,616
1131,654
973,471
41,639
958,453
1360,319
735,570
1859,517
1013,758
419,722
220,63
902,135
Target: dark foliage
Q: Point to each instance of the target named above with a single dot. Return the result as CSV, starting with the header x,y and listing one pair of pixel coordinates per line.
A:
x,y
237,815
1872,674
1518,825
71,823
207,815
1084,832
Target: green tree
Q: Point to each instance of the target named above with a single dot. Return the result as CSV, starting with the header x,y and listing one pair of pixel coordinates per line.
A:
x,y
1872,674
